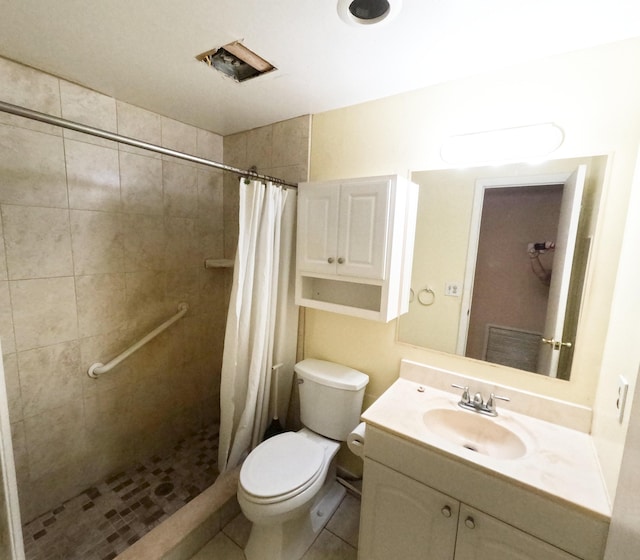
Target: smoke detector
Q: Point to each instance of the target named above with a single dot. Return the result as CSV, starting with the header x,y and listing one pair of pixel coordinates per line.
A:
x,y
368,12
236,61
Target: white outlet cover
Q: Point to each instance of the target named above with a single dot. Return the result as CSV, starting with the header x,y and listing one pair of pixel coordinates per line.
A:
x,y
623,389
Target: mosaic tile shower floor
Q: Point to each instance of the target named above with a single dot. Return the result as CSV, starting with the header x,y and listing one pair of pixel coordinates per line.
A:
x,y
105,519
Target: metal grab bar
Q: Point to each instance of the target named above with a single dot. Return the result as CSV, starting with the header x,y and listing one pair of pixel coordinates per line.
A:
x,y
98,368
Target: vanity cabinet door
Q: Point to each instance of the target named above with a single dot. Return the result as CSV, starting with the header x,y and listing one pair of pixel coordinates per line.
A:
x,y
403,519
482,537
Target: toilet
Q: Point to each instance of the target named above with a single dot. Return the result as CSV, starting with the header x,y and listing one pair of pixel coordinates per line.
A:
x,y
287,486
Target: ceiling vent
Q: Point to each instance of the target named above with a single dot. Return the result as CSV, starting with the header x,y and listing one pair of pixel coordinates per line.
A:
x,y
236,61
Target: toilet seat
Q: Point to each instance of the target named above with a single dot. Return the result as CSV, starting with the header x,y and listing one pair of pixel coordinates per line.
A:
x,y
281,467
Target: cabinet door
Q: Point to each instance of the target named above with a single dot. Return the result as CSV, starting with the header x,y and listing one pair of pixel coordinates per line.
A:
x,y
482,537
363,228
317,228
403,519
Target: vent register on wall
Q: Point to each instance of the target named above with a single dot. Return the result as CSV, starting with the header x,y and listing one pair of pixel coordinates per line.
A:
x,y
355,246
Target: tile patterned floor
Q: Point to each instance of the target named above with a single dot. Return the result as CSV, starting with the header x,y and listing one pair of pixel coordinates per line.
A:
x,y
337,541
105,519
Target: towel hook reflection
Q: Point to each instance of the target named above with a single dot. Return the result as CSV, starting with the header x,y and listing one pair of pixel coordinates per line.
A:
x,y
426,296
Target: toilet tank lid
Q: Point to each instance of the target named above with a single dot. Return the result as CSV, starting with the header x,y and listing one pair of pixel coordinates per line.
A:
x,y
331,374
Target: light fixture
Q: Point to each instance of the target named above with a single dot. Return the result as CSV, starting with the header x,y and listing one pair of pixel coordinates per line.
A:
x,y
368,12
504,145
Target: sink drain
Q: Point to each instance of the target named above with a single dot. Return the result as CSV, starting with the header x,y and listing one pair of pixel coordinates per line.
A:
x,y
470,447
163,489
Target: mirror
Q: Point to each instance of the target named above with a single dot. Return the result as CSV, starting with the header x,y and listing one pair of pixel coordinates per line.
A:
x,y
486,261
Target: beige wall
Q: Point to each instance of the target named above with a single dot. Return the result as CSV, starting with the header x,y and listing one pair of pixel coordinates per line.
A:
x,y
592,96
100,243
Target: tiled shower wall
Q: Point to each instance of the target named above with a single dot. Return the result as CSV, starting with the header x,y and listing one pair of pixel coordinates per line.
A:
x,y
100,242
280,150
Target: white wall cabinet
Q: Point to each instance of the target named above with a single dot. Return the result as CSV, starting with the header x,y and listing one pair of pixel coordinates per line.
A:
x,y
403,518
355,245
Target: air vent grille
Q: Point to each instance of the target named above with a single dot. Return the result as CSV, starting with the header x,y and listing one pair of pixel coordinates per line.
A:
x,y
236,61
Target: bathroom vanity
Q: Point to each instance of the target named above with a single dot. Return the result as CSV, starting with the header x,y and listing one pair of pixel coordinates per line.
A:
x,y
355,246
441,482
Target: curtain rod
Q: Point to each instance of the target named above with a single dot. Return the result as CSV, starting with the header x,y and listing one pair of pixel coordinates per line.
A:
x,y
64,123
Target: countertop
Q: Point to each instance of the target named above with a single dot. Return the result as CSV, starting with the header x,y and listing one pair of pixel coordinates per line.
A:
x,y
560,462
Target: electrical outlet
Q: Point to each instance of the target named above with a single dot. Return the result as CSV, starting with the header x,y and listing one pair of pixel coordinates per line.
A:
x,y
453,289
623,388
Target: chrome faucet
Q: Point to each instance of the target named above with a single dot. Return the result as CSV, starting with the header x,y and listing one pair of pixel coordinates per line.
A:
x,y
477,404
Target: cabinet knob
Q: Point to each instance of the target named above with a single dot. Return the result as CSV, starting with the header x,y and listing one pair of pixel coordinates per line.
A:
x,y
470,522
330,260
340,260
446,511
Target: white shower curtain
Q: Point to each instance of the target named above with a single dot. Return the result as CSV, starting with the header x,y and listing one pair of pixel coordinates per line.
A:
x,y
260,280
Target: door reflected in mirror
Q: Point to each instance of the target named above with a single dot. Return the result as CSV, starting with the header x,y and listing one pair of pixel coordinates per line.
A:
x,y
500,259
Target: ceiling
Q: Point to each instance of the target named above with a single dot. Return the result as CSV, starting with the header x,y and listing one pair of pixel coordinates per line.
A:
x,y
143,51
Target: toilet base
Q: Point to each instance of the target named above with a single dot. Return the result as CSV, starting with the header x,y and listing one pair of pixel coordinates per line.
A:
x,y
291,539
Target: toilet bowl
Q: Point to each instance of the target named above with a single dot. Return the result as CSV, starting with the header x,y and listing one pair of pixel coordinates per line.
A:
x,y
288,490
287,486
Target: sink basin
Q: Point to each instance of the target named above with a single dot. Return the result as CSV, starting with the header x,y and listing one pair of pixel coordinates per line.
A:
x,y
475,432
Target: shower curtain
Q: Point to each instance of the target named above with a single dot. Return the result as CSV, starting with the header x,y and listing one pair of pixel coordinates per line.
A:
x,y
257,332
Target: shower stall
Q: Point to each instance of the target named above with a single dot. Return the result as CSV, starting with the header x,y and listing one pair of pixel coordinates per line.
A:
x,y
102,239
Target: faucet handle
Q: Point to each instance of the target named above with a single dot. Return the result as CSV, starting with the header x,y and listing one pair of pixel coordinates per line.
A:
x,y
465,393
491,405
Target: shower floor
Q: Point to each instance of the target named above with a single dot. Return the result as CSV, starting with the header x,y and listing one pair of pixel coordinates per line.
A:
x,y
105,519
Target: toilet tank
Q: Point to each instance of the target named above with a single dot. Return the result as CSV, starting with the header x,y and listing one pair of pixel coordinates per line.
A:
x,y
330,397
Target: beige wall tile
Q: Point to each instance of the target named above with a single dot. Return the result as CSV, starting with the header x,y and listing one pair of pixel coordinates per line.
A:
x,y
44,311
291,142
180,189
38,242
51,377
209,145
141,184
145,303
20,458
259,147
235,150
181,243
101,303
3,257
178,136
183,285
29,88
96,238
93,176
144,242
32,170
49,445
138,124
12,381
290,173
6,320
210,201
88,107
211,245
